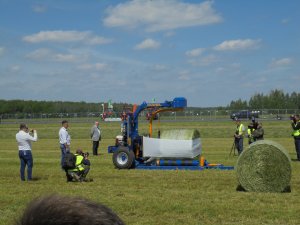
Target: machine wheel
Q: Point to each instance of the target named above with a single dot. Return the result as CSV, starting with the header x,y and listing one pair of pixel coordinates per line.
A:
x,y
123,158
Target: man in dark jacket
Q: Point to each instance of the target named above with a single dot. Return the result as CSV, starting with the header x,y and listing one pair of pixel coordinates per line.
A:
x,y
258,133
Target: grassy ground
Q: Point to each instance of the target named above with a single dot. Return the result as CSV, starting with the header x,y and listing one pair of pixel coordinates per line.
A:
x,y
149,197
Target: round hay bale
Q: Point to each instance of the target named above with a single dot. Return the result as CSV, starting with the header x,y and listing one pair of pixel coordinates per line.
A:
x,y
264,166
180,134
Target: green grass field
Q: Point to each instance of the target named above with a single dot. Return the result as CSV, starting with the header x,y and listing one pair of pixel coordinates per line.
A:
x,y
149,197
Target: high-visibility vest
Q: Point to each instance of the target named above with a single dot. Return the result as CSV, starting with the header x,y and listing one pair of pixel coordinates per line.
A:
x,y
249,131
296,133
239,130
79,159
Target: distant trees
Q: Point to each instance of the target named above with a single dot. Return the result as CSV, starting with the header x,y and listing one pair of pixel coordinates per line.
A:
x,y
22,106
276,99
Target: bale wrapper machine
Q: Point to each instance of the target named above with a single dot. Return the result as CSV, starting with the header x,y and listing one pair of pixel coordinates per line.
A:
x,y
132,150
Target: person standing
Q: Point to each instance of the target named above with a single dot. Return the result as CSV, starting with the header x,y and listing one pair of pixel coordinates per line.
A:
x,y
24,140
96,137
249,133
239,135
64,140
296,133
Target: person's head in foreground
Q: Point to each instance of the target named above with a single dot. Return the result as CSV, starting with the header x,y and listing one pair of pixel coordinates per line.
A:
x,y
62,210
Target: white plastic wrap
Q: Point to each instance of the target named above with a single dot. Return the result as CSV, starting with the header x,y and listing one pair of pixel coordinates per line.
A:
x,y
167,148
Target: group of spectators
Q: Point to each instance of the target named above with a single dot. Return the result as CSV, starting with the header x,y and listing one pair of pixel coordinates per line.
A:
x,y
82,164
255,132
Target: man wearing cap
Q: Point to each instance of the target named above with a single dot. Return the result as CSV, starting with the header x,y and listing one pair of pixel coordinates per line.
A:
x,y
239,135
96,137
24,140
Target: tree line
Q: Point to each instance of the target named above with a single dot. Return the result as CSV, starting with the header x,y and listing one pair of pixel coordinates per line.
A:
x,y
276,99
24,106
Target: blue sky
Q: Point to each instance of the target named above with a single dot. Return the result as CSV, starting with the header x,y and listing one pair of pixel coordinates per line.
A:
x,y
210,52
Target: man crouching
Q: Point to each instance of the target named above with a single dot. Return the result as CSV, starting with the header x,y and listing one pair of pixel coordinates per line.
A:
x,y
82,167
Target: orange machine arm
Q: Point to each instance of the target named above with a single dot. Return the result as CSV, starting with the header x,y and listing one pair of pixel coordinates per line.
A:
x,y
158,111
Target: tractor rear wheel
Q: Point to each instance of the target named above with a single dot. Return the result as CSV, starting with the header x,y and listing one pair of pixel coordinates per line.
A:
x,y
123,158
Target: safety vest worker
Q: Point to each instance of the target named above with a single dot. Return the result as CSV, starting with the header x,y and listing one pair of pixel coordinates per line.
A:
x,y
240,129
79,163
296,133
239,136
249,134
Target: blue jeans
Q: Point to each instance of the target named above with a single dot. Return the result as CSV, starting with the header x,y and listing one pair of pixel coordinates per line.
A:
x,y
64,150
297,145
239,144
26,159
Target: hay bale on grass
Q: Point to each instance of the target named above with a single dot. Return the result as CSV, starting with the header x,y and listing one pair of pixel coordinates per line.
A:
x,y
264,166
180,134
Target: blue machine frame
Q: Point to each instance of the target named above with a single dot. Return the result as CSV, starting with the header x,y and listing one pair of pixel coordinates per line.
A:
x,y
128,152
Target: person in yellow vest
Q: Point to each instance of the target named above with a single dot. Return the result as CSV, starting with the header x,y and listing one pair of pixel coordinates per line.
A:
x,y
239,135
82,167
249,133
296,133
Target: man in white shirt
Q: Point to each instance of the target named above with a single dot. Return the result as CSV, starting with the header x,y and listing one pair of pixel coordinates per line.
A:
x,y
96,137
64,139
24,140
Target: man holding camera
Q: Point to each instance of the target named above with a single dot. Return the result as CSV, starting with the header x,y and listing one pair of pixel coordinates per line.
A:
x,y
24,140
258,132
296,133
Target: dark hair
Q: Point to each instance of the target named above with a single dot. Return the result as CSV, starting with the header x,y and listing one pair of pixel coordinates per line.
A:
x,y
64,121
23,126
79,151
62,210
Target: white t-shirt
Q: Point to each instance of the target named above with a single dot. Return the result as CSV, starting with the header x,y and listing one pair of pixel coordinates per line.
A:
x,y
24,140
64,137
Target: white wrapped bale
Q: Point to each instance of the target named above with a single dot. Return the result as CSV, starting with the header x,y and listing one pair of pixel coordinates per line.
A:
x,y
182,143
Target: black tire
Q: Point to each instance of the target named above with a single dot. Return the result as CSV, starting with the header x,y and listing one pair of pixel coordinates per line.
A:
x,y
123,158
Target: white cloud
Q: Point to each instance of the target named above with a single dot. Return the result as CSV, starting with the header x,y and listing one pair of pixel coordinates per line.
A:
x,y
285,20
44,54
160,67
169,34
281,62
39,8
86,37
160,15
204,61
2,49
184,75
236,45
195,52
15,68
147,44
93,67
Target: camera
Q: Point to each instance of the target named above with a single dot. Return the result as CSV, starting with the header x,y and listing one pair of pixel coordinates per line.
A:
x,y
293,117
